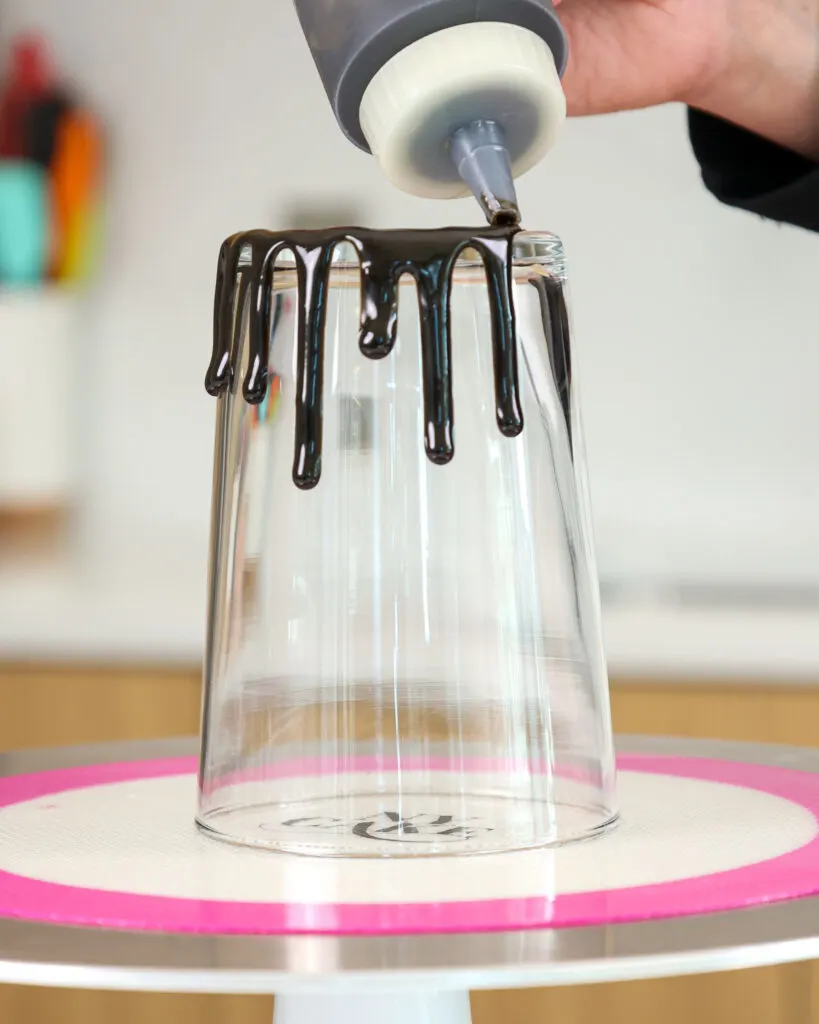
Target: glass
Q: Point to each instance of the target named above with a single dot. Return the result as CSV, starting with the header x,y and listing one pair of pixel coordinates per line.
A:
x,y
407,660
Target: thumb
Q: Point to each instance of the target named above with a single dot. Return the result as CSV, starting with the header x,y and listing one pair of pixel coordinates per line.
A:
x,y
621,55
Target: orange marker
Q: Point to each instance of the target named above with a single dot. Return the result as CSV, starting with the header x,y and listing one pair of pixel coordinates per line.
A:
x,y
75,188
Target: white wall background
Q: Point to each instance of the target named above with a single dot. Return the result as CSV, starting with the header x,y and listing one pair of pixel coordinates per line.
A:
x,y
696,326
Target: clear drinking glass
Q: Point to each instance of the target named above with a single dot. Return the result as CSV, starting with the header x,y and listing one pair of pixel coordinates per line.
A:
x,y
407,659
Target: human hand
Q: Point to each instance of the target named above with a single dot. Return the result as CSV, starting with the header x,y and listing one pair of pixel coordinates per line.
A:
x,y
753,62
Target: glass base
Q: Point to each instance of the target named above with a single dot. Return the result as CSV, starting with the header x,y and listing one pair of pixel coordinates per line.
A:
x,y
412,825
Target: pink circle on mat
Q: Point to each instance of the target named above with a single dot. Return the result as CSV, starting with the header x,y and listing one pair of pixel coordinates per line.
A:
x,y
791,875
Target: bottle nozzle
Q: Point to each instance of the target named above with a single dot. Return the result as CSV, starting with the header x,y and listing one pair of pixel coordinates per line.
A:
x,y
482,159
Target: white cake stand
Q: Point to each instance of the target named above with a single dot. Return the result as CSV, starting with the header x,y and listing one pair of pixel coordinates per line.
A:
x,y
105,883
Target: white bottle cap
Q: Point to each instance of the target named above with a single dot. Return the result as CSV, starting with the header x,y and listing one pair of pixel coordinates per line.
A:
x,y
481,71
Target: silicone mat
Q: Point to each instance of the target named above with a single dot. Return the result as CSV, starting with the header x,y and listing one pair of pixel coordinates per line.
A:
x,y
115,846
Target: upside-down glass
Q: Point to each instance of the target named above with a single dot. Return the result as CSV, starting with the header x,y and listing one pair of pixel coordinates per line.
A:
x,y
407,659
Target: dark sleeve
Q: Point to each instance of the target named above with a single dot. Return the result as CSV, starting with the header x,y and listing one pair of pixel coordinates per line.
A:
x,y
750,173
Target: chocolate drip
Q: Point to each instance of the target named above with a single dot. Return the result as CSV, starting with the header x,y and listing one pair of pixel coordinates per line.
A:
x,y
555,315
247,267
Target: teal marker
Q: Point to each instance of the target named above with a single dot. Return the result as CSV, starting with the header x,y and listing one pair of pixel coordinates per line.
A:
x,y
24,223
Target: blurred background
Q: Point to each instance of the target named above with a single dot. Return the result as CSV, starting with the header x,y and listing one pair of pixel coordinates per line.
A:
x,y
182,121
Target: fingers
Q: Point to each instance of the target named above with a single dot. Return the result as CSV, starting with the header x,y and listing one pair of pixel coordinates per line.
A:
x,y
599,77
625,54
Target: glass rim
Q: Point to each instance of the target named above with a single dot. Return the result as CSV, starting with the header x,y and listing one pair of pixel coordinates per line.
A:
x,y
530,249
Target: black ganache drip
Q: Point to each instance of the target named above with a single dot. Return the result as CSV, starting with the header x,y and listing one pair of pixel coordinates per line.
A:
x,y
247,263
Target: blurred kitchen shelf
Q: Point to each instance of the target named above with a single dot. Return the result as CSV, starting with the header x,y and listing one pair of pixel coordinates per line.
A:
x,y
756,644
142,601
34,530
115,599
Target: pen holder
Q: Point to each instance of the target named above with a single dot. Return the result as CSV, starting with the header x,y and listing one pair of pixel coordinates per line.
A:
x,y
37,340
